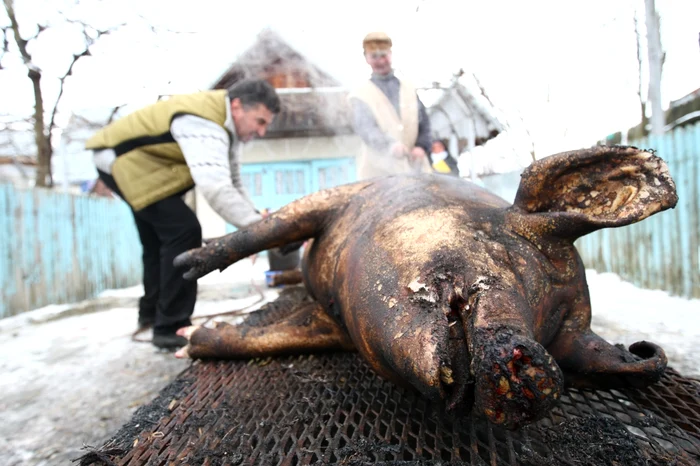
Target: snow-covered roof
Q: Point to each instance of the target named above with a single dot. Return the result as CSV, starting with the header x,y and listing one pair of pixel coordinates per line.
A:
x,y
485,139
462,109
71,162
17,142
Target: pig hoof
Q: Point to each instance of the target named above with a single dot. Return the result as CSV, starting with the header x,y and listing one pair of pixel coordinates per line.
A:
x,y
183,353
518,381
187,331
204,342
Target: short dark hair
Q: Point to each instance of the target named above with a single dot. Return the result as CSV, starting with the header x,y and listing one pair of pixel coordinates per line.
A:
x,y
252,92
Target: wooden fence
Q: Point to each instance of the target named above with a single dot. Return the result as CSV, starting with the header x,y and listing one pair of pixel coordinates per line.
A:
x,y
661,252
58,248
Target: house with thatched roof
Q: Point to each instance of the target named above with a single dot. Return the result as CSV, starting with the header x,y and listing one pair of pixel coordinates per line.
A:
x,y
72,166
309,146
17,157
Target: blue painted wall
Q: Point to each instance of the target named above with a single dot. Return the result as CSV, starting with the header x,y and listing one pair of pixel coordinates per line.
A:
x,y
57,248
273,185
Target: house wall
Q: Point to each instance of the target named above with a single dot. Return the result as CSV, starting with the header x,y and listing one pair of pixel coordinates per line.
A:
x,y
72,163
504,185
296,149
275,172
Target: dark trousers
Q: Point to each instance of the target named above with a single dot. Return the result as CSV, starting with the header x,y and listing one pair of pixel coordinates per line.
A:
x,y
166,229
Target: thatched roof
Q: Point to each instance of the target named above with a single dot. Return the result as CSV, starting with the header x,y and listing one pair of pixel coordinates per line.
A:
x,y
313,102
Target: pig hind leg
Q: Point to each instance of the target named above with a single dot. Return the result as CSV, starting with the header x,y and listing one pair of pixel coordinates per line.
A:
x,y
285,326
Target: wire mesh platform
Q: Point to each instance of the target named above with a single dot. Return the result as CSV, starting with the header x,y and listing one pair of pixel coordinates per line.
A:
x,y
332,409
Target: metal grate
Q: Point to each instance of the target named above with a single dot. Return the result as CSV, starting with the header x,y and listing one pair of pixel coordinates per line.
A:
x,y
332,409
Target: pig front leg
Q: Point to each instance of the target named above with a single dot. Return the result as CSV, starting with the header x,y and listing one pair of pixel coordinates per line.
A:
x,y
588,361
303,328
300,220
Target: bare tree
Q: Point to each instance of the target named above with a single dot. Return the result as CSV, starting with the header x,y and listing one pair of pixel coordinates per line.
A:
x,y
656,63
640,88
44,122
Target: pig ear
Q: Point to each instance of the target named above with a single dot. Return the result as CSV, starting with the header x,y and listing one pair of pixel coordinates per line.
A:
x,y
580,191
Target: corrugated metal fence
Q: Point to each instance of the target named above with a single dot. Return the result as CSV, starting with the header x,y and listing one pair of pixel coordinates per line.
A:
x,y
661,252
58,248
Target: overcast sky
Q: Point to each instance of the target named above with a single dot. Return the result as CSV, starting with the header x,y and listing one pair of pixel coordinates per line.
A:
x,y
568,68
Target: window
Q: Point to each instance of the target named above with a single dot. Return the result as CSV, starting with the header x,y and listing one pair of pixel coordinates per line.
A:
x,y
279,188
258,184
300,182
343,174
289,182
252,183
330,177
245,181
322,178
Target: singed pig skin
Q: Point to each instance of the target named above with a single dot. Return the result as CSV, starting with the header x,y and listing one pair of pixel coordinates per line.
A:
x,y
446,288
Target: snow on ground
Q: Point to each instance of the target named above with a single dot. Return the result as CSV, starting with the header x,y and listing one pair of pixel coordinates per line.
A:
x,y
624,313
71,379
77,379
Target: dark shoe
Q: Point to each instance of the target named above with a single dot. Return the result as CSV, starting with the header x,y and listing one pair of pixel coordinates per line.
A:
x,y
169,341
145,323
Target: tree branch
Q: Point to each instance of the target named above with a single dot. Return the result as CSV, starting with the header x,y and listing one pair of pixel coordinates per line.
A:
x,y
114,112
52,122
482,90
40,28
5,45
21,43
89,41
157,30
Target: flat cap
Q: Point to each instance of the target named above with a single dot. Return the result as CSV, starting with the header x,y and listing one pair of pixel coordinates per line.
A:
x,y
376,40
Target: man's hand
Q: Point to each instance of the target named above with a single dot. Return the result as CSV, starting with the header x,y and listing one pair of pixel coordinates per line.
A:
x,y
399,150
418,154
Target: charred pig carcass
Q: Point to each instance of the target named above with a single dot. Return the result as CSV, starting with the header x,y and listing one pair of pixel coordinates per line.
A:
x,y
445,287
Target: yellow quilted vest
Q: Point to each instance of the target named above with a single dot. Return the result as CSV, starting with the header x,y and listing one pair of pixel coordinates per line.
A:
x,y
150,165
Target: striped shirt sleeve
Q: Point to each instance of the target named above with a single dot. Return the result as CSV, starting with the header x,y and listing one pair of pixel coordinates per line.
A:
x,y
205,146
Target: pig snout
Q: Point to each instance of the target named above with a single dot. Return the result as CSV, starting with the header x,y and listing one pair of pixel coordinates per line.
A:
x,y
516,380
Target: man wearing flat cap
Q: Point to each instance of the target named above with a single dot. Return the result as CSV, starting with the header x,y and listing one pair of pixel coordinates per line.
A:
x,y
388,117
